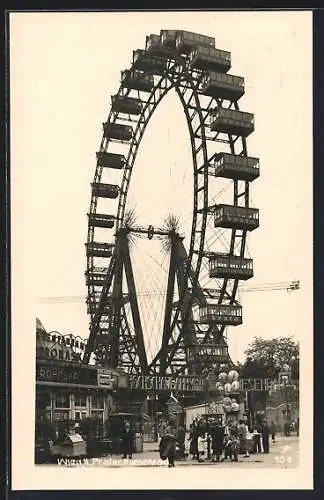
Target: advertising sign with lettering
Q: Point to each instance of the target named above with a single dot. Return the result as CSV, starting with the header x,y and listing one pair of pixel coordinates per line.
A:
x,y
106,378
157,383
66,374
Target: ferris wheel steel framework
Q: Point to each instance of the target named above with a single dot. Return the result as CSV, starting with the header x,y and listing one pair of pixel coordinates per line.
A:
x,y
186,81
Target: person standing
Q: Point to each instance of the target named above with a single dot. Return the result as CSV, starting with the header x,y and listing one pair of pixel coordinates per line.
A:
x,y
201,445
168,445
217,437
273,430
193,436
265,437
242,434
256,441
127,440
181,437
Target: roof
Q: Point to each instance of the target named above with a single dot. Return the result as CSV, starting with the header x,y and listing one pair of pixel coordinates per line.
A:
x,y
39,325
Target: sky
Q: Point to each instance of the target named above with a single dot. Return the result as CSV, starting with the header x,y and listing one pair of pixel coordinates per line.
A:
x,y
65,67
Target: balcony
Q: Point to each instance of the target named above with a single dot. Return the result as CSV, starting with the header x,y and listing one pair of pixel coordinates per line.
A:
x,y
110,160
236,167
144,61
105,190
223,86
221,314
137,80
229,266
231,121
186,41
235,217
210,59
126,105
99,249
118,131
101,220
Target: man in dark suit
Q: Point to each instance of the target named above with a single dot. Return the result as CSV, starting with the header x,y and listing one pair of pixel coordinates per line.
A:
x,y
217,440
181,437
127,440
265,437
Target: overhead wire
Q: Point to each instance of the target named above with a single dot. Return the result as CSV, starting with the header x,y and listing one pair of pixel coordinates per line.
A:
x,y
282,285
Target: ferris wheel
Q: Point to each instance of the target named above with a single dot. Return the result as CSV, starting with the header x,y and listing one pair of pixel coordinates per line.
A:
x,y
205,266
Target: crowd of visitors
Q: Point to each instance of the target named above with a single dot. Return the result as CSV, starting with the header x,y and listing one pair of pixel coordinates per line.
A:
x,y
210,440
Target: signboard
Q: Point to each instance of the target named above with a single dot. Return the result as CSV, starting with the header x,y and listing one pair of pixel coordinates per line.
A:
x,y
68,374
106,378
106,381
157,383
54,350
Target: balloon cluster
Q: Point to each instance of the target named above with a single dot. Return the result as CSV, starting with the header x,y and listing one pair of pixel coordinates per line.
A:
x,y
229,383
230,405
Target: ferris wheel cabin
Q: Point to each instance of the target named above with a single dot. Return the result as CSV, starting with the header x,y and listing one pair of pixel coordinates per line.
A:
x,y
236,217
232,121
186,41
118,131
111,160
93,303
222,85
210,58
221,314
148,62
126,105
236,167
207,352
154,46
101,220
92,306
230,266
96,276
99,249
105,190
168,38
136,80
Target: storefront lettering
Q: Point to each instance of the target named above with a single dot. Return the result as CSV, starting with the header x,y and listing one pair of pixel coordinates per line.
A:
x,y
58,374
70,375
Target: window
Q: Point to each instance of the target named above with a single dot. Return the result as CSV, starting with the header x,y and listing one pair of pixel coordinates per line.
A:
x,y
80,400
79,415
61,400
97,414
97,402
61,415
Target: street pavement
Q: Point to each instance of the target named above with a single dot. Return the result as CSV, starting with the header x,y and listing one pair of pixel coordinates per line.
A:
x,y
283,454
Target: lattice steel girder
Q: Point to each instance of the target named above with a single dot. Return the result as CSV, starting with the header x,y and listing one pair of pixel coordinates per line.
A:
x,y
134,304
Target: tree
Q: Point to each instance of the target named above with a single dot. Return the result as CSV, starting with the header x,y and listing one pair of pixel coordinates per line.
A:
x,y
265,358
